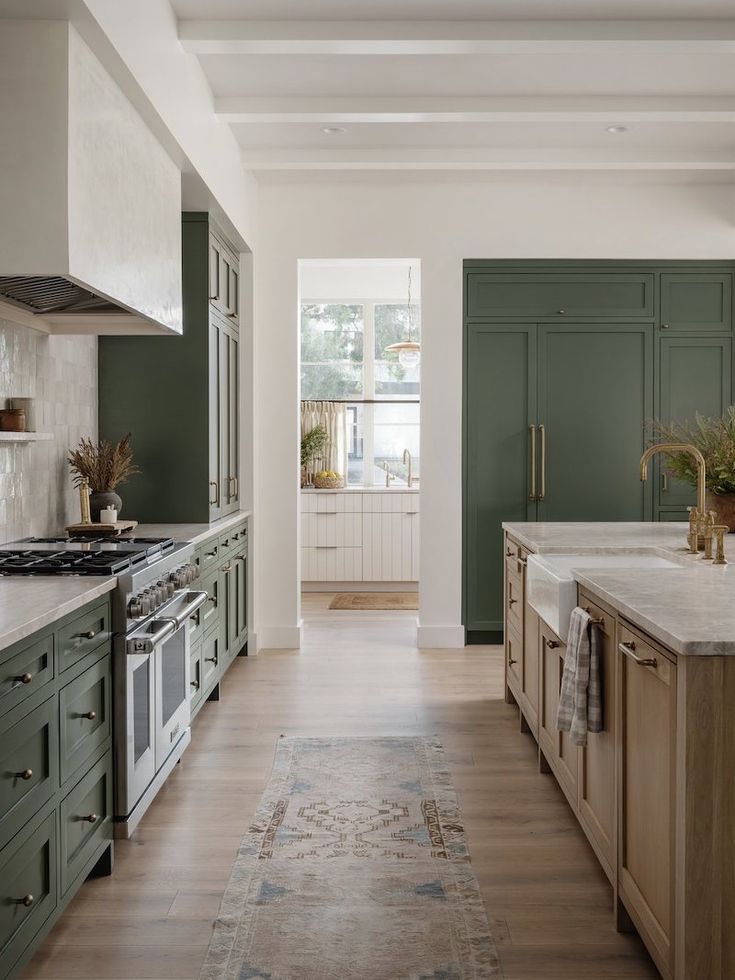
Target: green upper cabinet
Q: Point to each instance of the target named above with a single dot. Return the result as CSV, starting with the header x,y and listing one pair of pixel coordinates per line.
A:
x,y
179,396
696,377
595,395
500,375
540,295
696,301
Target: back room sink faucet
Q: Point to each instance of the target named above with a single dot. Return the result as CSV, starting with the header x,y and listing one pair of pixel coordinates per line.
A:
x,y
699,515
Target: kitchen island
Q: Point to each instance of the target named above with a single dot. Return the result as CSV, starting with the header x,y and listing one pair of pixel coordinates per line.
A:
x,y
653,790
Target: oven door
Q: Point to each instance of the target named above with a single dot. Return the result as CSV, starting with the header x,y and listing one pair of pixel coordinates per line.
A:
x,y
173,692
140,729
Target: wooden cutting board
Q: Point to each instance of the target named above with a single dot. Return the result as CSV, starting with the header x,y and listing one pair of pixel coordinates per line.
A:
x,y
119,527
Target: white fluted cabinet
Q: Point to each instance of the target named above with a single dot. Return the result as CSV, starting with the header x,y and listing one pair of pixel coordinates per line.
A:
x,y
349,536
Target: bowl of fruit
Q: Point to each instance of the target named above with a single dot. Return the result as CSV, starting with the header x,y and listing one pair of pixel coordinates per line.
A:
x,y
328,480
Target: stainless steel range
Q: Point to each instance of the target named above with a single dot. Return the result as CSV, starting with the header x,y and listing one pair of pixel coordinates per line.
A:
x,y
151,608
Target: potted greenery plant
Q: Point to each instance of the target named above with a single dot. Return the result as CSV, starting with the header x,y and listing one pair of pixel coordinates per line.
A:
x,y
312,446
715,439
104,465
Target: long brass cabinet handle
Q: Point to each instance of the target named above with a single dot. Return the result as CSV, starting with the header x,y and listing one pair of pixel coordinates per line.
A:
x,y
532,493
628,649
215,502
542,434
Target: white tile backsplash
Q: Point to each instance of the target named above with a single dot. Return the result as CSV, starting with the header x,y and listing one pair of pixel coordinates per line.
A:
x,y
60,374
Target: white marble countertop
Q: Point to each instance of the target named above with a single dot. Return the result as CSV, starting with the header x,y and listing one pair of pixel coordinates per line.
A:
x,y
27,604
690,609
194,533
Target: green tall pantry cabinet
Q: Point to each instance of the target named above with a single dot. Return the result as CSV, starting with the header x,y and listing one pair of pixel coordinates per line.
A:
x,y
179,396
565,363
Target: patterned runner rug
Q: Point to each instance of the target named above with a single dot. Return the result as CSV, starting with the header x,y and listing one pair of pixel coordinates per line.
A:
x,y
355,866
375,600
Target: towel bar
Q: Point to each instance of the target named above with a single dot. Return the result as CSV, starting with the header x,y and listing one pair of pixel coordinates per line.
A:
x,y
594,622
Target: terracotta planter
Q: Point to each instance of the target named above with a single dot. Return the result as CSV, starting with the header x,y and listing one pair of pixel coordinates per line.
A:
x,y
723,504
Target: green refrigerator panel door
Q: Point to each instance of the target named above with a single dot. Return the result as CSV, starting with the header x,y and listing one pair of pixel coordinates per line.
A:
x,y
692,301
595,396
696,377
500,396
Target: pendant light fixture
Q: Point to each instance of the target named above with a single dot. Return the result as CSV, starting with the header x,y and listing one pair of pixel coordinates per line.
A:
x,y
409,351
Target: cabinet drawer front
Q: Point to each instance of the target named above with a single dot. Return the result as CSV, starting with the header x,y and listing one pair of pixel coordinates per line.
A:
x,y
27,890
558,294
331,528
514,602
393,502
25,672
331,564
197,674
514,658
211,655
86,820
240,536
207,556
29,760
206,615
83,635
84,716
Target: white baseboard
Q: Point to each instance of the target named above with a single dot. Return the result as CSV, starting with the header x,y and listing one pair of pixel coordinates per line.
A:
x,y
279,638
440,637
359,586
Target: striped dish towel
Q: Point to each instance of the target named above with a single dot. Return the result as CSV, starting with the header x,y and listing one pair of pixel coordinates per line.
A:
x,y
580,698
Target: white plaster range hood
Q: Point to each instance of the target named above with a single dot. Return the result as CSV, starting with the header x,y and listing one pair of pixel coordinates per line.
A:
x,y
90,203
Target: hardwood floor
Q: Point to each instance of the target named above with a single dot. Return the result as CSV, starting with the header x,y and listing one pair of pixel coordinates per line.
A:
x,y
358,673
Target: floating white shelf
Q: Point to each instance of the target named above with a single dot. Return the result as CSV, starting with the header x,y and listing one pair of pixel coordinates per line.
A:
x,y
26,436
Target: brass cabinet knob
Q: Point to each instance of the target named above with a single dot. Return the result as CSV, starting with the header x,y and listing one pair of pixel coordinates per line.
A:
x,y
195,685
87,635
210,660
561,312
553,644
511,661
512,602
91,818
26,774
665,326
90,715
27,900
25,678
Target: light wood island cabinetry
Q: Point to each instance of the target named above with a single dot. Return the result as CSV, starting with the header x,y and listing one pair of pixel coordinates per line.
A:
x,y
653,791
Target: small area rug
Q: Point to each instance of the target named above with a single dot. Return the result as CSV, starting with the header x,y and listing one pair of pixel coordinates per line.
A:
x,y
375,600
355,866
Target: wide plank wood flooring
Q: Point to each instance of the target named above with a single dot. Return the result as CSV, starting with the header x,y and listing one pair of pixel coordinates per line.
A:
x,y
357,674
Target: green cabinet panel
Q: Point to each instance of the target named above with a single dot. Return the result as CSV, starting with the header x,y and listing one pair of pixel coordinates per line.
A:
x,y
85,820
595,395
500,405
241,600
211,657
539,295
85,717
696,301
25,671
696,377
196,682
84,635
28,889
29,765
179,396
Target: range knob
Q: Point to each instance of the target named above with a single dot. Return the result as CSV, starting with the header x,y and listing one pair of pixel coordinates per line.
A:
x,y
152,599
161,591
145,603
169,587
135,607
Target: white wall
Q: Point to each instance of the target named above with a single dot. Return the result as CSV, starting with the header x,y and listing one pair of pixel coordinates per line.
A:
x,y
441,223
350,280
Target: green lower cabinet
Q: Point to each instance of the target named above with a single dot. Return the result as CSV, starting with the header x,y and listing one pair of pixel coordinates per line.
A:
x,y
24,673
241,600
196,676
85,820
212,646
29,764
85,716
28,889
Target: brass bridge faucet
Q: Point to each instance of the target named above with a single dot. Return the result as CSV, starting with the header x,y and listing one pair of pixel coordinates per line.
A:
x,y
698,515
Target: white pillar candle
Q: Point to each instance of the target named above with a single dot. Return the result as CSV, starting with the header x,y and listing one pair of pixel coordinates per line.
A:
x,y
108,515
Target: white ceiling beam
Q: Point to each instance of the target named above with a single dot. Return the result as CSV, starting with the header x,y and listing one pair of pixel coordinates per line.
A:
x,y
456,37
484,158
530,109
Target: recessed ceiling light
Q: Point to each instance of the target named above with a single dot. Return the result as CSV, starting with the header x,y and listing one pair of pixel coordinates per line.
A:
x,y
333,130
616,129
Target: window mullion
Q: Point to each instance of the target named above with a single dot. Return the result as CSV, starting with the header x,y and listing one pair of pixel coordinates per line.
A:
x,y
368,381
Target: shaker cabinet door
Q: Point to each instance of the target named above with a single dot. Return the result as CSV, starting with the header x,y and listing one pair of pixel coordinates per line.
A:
x,y
215,431
696,301
500,407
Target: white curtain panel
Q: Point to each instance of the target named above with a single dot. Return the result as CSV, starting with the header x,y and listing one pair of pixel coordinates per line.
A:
x,y
333,416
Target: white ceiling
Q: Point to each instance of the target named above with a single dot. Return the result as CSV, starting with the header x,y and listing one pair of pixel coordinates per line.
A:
x,y
471,85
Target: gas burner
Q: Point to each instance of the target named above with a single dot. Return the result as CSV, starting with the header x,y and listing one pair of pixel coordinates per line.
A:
x,y
14,561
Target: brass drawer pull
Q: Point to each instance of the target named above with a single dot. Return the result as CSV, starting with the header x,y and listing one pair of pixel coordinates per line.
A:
x,y
210,554
532,491
215,502
212,599
195,685
89,715
27,900
628,648
542,490
552,644
25,678
87,635
512,602
511,661
509,553
90,818
227,568
210,660
26,774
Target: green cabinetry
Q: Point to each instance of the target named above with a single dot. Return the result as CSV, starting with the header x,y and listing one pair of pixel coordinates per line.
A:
x,y
565,363
179,396
55,776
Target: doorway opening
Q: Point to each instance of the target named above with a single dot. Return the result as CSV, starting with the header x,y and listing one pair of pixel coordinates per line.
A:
x,y
360,377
